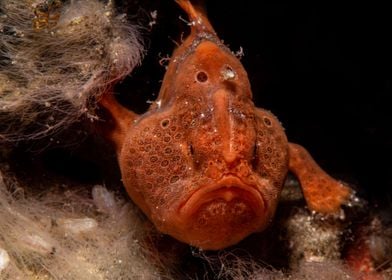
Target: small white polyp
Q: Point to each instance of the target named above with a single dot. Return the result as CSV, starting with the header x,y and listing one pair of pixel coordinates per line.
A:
x,y
4,259
78,226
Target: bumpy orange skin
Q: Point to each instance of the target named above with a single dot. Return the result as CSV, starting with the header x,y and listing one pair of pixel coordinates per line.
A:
x,y
204,164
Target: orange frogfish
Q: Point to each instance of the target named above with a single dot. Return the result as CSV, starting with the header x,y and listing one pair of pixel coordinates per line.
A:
x,y
203,163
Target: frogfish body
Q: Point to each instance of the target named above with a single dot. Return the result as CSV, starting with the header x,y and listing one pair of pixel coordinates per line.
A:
x,y
203,163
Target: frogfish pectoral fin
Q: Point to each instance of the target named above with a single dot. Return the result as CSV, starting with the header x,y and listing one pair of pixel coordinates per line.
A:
x,y
119,122
322,193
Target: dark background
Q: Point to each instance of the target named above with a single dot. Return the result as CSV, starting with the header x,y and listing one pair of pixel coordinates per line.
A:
x,y
324,69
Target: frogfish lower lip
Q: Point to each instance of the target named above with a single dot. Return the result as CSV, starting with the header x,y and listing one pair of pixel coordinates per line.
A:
x,y
228,190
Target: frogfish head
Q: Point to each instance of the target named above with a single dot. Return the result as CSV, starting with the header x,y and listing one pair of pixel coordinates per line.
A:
x,y
203,163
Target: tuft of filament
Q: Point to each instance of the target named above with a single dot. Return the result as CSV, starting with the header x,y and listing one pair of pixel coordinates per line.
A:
x,y
56,59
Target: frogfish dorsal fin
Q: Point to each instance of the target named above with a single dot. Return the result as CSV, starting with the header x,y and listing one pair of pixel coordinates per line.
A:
x,y
198,19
